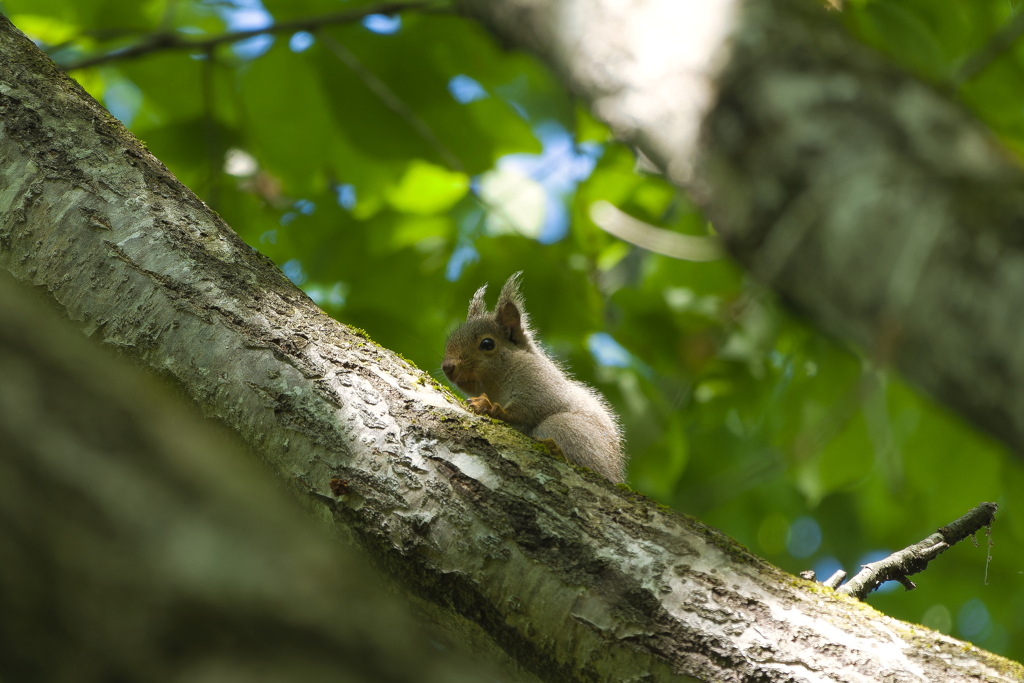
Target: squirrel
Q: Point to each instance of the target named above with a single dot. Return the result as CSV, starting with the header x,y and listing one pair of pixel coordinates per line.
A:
x,y
494,358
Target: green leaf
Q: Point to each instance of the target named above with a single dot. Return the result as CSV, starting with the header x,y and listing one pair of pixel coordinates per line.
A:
x,y
427,189
426,233
45,29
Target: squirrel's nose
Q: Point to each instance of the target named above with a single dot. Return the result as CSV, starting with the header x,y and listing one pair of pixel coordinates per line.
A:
x,y
449,367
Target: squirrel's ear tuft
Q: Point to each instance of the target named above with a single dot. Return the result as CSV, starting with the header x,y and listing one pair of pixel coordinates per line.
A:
x,y
510,292
510,313
477,307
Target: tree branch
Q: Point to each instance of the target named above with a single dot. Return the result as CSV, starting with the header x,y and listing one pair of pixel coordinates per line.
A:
x,y
164,41
915,558
834,580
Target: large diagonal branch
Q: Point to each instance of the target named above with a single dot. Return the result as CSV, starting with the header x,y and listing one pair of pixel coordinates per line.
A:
x,y
563,575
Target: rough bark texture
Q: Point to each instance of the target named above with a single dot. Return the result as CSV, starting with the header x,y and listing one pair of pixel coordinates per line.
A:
x,y
872,202
830,167
570,578
139,545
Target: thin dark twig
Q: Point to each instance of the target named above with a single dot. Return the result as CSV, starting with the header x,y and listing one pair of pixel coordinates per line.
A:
x,y
1002,41
914,559
165,40
988,554
392,101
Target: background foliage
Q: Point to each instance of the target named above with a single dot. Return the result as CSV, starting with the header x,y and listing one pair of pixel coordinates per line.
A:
x,y
391,165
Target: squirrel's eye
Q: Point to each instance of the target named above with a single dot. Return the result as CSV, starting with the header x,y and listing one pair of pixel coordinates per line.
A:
x,y
487,344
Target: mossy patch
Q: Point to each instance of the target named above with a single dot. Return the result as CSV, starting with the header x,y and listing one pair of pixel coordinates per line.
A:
x,y
407,361
359,332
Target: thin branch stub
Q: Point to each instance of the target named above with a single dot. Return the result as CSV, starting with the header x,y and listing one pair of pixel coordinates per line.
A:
x,y
915,558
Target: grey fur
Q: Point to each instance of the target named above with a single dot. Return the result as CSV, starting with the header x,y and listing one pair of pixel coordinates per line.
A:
x,y
535,394
477,307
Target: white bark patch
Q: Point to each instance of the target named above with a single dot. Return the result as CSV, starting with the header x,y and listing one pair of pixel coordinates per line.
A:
x,y
888,653
474,467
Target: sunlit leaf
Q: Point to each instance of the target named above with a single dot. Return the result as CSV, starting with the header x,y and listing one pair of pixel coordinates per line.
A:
x,y
427,189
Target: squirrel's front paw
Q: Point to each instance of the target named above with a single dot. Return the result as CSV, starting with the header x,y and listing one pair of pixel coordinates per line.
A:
x,y
481,405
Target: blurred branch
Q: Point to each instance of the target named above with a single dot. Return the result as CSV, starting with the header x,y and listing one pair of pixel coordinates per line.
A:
x,y
392,101
165,40
625,227
138,532
1002,41
915,558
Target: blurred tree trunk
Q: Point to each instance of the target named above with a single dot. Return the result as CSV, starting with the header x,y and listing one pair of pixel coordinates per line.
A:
x,y
544,567
139,544
873,203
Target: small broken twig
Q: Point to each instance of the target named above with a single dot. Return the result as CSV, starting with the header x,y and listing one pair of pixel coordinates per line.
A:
x,y
834,580
914,559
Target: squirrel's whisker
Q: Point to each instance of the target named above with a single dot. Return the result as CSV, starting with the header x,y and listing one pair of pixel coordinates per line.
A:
x,y
427,346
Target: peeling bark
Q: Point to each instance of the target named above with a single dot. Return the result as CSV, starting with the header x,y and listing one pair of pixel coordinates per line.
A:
x,y
546,567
